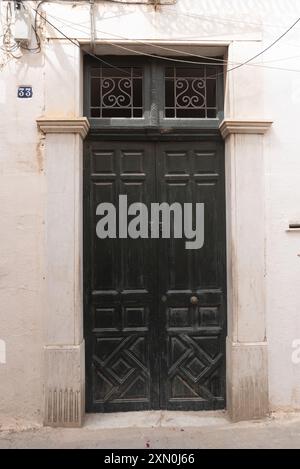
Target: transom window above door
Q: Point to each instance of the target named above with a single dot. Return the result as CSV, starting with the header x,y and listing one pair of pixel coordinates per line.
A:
x,y
191,92
153,93
117,92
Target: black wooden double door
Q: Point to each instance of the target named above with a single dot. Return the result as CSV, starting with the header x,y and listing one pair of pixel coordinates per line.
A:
x,y
155,312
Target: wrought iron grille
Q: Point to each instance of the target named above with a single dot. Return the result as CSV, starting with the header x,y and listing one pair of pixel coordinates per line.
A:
x,y
117,92
191,92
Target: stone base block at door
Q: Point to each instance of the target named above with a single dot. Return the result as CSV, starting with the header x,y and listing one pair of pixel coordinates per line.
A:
x,y
247,380
64,385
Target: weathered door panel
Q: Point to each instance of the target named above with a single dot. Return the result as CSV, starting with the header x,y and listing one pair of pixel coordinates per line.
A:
x,y
192,282
122,371
192,335
148,346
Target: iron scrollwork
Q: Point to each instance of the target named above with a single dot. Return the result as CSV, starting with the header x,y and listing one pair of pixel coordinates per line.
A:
x,y
190,93
117,94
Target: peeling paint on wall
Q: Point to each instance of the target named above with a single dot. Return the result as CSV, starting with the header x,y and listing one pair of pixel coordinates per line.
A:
x,y
2,92
2,352
296,353
40,152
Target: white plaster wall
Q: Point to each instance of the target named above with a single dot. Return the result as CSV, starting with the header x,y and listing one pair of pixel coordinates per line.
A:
x,y
282,173
21,242
247,26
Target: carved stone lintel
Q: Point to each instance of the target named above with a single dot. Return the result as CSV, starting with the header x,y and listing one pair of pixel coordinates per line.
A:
x,y
238,126
78,125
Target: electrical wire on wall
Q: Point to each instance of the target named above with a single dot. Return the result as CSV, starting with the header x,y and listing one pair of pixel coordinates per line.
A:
x,y
213,61
14,49
10,47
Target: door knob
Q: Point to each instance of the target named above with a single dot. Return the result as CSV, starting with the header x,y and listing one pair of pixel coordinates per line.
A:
x,y
194,300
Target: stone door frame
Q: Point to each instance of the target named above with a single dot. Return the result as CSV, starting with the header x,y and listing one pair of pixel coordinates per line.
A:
x,y
64,350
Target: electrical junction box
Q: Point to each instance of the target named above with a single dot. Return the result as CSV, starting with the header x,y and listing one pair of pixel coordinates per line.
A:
x,y
23,27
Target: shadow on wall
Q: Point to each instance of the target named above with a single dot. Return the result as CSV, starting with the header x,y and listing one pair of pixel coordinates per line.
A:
x,y
206,17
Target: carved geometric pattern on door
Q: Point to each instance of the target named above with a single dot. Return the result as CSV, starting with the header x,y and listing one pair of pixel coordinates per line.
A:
x,y
121,369
194,369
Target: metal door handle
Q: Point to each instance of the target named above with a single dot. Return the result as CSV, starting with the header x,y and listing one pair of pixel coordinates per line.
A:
x,y
194,300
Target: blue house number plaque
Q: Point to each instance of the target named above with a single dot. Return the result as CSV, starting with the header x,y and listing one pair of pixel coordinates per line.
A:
x,y
25,92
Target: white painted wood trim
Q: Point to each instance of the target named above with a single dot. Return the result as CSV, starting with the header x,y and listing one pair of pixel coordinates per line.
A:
x,y
230,126
77,125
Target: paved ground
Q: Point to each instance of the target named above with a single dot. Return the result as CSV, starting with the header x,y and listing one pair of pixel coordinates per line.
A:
x,y
166,430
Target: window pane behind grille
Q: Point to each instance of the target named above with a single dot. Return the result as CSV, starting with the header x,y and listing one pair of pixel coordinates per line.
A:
x,y
117,92
191,92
